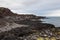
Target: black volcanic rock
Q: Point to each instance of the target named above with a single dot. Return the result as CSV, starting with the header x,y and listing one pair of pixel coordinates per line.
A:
x,y
5,11
8,20
31,20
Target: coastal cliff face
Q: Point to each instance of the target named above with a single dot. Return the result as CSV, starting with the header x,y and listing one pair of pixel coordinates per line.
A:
x,y
5,12
9,19
23,27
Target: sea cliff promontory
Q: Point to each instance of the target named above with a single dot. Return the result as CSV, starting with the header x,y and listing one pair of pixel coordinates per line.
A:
x,y
24,26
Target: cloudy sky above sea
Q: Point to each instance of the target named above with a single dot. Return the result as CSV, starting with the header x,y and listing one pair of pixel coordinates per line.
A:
x,y
37,7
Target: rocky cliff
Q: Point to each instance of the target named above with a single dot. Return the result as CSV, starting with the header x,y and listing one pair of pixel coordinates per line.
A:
x,y
18,27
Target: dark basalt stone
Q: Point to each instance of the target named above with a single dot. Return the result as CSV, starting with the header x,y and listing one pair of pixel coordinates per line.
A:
x,y
35,25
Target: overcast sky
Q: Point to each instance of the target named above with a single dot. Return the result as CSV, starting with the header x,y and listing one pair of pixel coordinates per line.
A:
x,y
37,7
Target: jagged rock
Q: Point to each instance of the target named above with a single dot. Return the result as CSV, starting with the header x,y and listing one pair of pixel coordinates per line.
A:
x,y
31,20
14,25
5,11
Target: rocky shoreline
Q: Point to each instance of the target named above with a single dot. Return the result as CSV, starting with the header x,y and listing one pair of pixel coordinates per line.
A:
x,y
25,27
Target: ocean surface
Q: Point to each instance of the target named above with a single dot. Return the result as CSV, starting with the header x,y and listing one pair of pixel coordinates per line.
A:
x,y
53,20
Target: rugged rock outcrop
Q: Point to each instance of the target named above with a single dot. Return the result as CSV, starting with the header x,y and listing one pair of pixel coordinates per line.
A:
x,y
5,11
15,26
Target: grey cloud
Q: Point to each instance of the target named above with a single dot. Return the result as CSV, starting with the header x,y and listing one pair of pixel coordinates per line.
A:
x,y
31,6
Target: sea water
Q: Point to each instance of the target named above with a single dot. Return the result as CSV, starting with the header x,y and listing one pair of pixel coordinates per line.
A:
x,y
53,20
